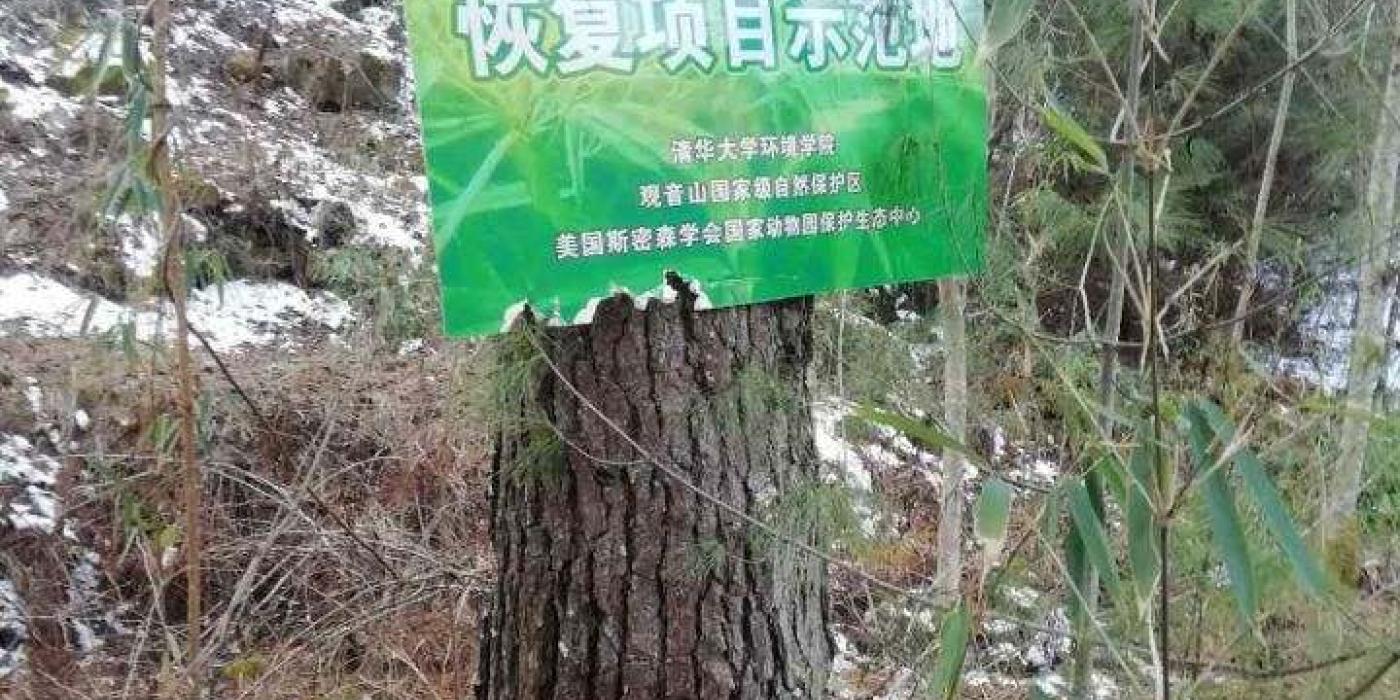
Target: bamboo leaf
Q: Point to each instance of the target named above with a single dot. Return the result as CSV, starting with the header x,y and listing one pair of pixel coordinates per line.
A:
x,y
1111,472
991,515
1226,529
930,436
1142,539
1080,574
993,511
131,53
1091,532
1065,126
1266,496
103,65
952,651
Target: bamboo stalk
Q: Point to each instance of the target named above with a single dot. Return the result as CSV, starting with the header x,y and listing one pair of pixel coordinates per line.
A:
x,y
175,285
1266,182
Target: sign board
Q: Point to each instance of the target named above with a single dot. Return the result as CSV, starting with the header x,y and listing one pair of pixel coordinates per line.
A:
x,y
760,149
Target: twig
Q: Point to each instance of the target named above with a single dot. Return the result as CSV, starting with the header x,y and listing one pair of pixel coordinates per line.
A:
x,y
1370,681
1260,86
228,376
1266,181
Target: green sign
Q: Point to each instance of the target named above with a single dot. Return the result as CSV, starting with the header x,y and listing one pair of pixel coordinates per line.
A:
x,y
759,149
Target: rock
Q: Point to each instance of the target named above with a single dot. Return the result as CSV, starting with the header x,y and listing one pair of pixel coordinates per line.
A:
x,y
350,8
196,193
244,65
338,83
258,241
334,224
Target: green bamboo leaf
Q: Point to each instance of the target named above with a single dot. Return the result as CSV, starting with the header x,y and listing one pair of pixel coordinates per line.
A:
x,y
131,52
1050,520
457,210
1142,535
1065,126
1081,605
993,511
1226,528
930,436
952,651
1081,574
1091,532
1004,22
1266,496
1111,472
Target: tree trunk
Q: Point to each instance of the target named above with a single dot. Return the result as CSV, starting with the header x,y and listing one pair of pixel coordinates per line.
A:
x,y
614,578
1373,248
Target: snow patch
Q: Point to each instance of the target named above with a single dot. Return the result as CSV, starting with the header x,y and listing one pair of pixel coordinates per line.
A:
x,y
253,313
14,629
140,244
832,448
1327,329
1025,598
34,507
234,314
35,396
34,103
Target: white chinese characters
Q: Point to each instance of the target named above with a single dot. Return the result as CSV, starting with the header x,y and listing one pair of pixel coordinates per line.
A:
x,y
693,235
743,189
575,37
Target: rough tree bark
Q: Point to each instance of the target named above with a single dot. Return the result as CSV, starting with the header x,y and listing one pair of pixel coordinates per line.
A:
x,y
615,580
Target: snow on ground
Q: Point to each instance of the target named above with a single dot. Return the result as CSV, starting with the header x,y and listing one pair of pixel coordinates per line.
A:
x,y
389,204
832,448
32,103
1327,329
1037,470
14,629
852,468
34,507
237,314
28,478
319,177
140,243
373,31
32,100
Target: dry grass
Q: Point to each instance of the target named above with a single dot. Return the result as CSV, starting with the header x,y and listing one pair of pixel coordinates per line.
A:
x,y
345,550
